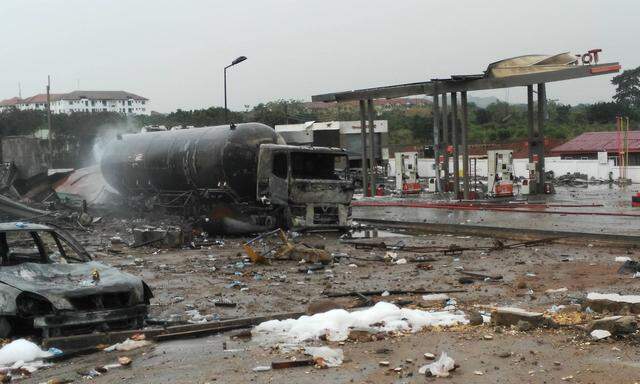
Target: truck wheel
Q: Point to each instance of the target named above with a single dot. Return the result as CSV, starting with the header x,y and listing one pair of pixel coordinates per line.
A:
x,y
5,327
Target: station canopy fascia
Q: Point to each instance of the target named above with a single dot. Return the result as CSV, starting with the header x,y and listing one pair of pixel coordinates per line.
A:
x,y
514,72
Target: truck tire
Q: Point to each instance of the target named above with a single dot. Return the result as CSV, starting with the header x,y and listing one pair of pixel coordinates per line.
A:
x,y
5,327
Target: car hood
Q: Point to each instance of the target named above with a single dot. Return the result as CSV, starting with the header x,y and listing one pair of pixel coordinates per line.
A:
x,y
57,282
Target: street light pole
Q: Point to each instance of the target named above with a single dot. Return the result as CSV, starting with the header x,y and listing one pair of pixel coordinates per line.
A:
x,y
238,60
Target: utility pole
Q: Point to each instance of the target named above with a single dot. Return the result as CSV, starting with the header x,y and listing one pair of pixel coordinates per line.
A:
x,y
49,121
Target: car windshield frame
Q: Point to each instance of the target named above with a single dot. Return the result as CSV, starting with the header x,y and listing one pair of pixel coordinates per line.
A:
x,y
59,239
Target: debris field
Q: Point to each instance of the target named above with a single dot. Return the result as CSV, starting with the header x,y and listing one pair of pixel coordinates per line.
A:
x,y
505,312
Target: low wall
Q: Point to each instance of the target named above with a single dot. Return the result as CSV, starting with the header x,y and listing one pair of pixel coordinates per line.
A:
x,y
592,168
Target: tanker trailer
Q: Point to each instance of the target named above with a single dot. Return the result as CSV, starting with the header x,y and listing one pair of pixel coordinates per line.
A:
x,y
239,179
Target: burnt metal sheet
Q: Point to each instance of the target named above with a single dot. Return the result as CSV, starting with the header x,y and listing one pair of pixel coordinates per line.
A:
x,y
12,209
460,83
530,64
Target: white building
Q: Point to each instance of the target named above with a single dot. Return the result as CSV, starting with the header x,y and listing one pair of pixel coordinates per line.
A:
x,y
83,101
341,134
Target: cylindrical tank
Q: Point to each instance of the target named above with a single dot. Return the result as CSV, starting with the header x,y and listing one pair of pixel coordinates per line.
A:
x,y
187,159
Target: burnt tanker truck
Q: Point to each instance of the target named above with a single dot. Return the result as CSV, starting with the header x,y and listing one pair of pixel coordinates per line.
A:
x,y
238,178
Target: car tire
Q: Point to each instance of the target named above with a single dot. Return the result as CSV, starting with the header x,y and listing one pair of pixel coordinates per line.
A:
x,y
5,327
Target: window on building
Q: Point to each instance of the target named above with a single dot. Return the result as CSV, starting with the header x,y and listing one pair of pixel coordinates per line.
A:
x,y
130,110
129,102
104,102
93,102
142,102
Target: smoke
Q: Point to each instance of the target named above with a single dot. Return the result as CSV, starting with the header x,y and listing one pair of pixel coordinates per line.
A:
x,y
105,134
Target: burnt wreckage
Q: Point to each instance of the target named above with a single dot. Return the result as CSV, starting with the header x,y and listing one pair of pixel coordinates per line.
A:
x,y
242,178
49,282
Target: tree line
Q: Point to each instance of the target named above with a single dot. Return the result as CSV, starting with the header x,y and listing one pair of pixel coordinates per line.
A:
x,y
75,134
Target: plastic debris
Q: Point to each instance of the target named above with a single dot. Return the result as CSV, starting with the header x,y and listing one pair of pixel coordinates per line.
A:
x,y
440,367
599,334
563,289
261,368
127,345
325,356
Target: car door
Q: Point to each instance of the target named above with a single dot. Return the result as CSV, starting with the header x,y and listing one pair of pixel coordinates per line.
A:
x,y
273,176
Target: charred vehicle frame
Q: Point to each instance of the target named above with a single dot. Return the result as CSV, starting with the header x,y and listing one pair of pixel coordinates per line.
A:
x,y
48,282
238,178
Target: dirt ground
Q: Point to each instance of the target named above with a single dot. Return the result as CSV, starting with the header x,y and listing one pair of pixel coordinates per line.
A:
x,y
194,279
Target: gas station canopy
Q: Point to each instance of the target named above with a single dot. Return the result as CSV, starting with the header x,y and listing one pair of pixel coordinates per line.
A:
x,y
513,72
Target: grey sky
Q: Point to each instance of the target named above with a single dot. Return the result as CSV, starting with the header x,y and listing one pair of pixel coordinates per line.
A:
x,y
173,52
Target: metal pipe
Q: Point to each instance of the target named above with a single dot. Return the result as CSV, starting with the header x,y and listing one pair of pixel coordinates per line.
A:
x,y
445,142
49,133
363,136
542,100
532,183
226,114
372,157
436,139
454,139
465,145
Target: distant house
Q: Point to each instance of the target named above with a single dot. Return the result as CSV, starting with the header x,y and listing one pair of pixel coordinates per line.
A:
x,y
83,101
589,144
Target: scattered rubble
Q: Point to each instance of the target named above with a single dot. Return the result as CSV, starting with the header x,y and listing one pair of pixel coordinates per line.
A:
x,y
508,316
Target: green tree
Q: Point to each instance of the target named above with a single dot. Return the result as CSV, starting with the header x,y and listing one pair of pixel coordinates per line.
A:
x,y
628,88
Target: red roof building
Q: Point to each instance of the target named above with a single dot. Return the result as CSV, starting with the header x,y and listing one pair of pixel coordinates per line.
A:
x,y
588,144
594,142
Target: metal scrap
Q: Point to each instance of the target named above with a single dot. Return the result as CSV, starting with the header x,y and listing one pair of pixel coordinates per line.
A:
x,y
285,250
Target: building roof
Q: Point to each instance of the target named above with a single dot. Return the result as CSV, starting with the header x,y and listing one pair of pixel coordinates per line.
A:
x,y
9,102
590,142
101,95
40,98
75,95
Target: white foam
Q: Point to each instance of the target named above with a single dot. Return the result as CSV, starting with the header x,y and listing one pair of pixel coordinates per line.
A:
x,y
332,357
21,350
335,324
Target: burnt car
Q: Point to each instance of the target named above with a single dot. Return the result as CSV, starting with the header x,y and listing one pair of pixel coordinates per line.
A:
x,y
49,283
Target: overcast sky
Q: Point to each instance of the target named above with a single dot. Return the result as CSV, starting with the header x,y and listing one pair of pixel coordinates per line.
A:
x,y
173,51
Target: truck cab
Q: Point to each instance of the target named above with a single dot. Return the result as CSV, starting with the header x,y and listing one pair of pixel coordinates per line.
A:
x,y
309,184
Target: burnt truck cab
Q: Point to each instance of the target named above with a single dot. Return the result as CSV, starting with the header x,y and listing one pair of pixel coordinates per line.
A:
x,y
49,283
309,184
